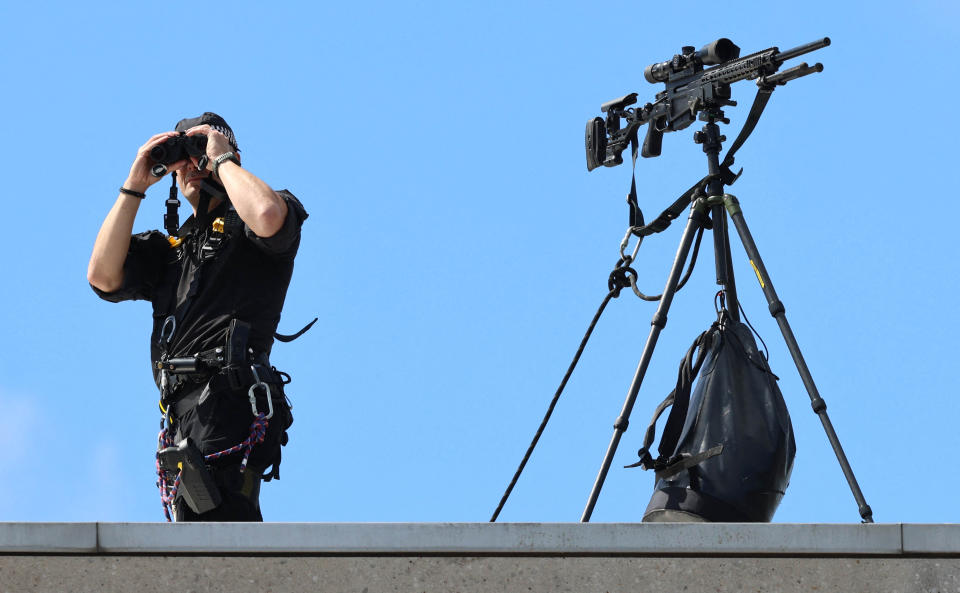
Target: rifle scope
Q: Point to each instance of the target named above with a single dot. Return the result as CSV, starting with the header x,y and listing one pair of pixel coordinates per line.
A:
x,y
720,51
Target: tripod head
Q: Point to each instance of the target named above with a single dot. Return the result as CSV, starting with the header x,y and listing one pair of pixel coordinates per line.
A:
x,y
690,91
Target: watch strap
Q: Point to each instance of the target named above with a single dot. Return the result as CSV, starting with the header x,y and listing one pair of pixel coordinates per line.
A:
x,y
227,156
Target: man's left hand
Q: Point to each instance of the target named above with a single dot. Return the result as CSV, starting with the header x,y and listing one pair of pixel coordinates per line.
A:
x,y
217,143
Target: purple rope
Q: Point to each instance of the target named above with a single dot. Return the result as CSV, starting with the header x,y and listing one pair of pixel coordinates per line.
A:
x,y
258,431
167,492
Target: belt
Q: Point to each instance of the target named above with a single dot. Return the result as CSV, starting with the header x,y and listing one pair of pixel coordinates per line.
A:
x,y
187,393
184,373
241,366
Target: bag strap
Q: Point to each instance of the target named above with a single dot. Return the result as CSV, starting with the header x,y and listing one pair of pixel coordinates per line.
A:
x,y
687,375
687,461
646,460
679,398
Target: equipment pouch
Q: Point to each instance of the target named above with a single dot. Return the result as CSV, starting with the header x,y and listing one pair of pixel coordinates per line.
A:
x,y
236,360
196,484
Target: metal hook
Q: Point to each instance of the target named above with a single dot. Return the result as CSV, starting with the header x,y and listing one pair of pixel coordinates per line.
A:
x,y
253,397
170,321
627,259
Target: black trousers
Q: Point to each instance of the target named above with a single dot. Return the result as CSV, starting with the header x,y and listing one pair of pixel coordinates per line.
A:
x,y
216,418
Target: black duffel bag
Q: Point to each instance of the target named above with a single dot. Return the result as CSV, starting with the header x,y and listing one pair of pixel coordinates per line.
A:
x,y
727,448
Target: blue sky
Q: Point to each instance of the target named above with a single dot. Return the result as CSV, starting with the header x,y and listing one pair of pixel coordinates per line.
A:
x,y
457,247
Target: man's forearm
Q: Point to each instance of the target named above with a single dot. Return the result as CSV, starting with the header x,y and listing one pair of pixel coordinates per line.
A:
x,y
257,204
105,270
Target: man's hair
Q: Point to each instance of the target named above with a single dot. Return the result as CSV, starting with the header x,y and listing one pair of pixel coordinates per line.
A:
x,y
214,121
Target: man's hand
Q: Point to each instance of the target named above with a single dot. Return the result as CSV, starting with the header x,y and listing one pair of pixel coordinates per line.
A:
x,y
262,209
217,143
105,270
140,177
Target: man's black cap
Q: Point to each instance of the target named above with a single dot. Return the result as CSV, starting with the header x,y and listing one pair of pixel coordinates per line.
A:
x,y
214,121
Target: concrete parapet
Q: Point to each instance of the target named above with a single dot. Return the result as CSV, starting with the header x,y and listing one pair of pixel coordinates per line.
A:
x,y
470,557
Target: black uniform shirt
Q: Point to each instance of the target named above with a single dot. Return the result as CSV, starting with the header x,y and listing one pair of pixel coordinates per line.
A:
x,y
211,278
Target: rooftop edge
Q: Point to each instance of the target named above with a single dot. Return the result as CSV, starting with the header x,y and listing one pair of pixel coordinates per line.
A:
x,y
777,539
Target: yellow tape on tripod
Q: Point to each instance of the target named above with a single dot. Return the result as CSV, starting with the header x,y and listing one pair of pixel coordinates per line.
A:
x,y
757,272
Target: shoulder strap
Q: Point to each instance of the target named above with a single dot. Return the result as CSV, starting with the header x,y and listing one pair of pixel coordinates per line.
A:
x,y
756,110
679,398
674,211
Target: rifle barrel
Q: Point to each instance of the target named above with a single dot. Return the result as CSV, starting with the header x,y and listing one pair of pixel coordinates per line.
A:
x,y
803,49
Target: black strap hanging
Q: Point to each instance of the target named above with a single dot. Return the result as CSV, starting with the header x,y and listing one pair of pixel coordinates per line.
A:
x,y
292,337
756,110
208,191
636,215
728,177
171,219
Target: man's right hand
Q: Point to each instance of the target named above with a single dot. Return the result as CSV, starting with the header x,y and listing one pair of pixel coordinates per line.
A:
x,y
140,177
105,270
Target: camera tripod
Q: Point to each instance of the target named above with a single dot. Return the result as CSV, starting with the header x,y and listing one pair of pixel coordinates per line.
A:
x,y
719,205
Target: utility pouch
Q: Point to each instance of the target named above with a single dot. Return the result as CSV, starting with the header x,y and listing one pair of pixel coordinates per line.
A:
x,y
196,484
727,448
236,359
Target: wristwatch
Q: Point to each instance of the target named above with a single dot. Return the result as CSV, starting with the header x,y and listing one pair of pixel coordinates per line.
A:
x,y
227,156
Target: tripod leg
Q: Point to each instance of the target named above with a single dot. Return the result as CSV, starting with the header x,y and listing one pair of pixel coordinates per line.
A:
x,y
694,222
778,312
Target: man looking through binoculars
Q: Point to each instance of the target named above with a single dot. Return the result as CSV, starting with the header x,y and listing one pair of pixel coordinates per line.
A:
x,y
217,285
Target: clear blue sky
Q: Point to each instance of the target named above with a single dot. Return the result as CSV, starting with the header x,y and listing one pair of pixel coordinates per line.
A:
x,y
457,247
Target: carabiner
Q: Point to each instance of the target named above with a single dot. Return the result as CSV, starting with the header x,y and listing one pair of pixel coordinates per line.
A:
x,y
628,259
253,398
171,322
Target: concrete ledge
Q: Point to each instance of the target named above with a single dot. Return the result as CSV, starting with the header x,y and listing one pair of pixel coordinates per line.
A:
x,y
48,538
500,539
478,557
464,539
931,539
